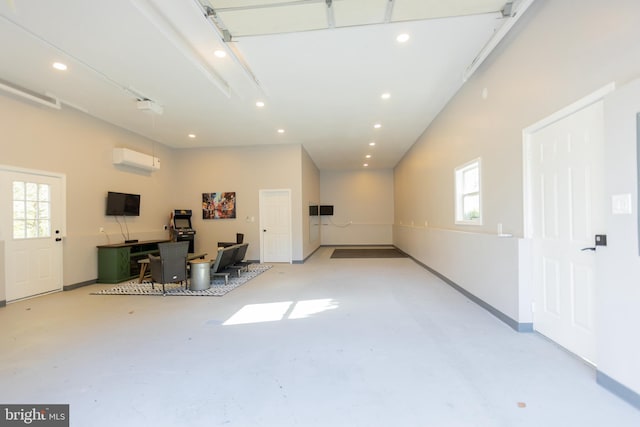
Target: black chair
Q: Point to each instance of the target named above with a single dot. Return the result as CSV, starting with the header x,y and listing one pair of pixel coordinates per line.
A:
x,y
171,265
238,258
239,240
221,266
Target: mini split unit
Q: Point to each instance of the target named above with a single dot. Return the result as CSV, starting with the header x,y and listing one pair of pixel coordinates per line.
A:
x,y
124,156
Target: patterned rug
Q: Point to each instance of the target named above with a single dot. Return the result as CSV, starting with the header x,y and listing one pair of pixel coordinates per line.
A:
x,y
217,289
368,253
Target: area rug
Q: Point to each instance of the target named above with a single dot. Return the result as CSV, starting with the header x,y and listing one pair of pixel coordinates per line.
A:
x,y
368,253
218,287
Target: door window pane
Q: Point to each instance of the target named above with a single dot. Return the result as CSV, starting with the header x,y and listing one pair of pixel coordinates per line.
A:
x,y
31,210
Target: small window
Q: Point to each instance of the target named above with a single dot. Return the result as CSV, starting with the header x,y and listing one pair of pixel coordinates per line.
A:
x,y
31,210
468,200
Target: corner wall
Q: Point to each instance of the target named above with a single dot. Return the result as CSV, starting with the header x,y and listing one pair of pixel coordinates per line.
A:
x,y
310,196
363,207
80,147
557,53
618,264
245,170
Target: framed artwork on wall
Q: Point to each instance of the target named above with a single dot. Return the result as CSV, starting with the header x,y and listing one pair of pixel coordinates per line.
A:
x,y
219,205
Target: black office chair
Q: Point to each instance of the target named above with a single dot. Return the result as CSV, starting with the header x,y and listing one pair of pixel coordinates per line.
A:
x,y
171,265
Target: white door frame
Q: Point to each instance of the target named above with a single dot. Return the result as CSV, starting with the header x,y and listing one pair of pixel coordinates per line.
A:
x,y
261,220
526,286
63,219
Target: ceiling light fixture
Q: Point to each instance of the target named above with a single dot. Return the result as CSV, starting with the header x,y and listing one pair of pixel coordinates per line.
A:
x,y
385,95
365,165
403,38
377,126
220,53
259,104
372,143
192,135
280,130
368,156
60,66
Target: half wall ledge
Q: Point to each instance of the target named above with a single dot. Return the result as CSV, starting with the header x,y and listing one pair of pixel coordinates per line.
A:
x,y
512,323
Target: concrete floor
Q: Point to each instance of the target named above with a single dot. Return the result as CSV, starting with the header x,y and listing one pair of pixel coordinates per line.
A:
x,y
332,342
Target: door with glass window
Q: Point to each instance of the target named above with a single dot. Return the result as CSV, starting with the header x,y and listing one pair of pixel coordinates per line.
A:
x,y
31,227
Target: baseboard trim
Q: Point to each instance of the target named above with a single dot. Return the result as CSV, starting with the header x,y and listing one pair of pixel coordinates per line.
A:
x,y
79,285
512,323
620,390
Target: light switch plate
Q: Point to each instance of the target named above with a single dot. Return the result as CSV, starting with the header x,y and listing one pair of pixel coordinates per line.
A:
x,y
621,204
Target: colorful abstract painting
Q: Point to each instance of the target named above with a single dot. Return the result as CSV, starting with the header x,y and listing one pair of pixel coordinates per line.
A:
x,y
219,205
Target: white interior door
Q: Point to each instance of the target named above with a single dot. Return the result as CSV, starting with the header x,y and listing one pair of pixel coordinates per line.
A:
x,y
32,229
567,207
275,226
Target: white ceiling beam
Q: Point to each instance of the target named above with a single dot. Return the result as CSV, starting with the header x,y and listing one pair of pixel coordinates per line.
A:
x,y
161,22
515,12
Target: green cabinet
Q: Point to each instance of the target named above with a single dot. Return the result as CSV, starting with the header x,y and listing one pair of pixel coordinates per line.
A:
x,y
118,263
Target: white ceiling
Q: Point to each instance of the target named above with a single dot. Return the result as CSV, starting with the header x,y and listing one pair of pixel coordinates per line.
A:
x,y
319,68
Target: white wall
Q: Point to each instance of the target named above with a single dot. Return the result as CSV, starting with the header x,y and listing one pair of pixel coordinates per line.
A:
x,y
310,196
363,207
80,147
559,52
618,264
245,170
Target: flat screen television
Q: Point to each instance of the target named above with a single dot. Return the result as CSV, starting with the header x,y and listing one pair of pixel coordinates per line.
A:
x,y
123,204
313,210
326,209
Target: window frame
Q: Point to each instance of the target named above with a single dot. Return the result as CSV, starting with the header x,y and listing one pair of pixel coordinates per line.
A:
x,y
459,193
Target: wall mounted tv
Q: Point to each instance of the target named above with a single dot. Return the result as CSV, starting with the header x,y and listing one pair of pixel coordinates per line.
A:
x,y
123,204
326,210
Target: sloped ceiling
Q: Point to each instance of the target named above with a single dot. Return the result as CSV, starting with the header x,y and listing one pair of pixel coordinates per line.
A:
x,y
319,67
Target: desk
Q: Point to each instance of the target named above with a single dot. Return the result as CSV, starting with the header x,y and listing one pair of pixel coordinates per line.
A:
x,y
119,262
144,263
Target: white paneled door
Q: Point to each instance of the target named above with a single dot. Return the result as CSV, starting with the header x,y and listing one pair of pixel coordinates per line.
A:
x,y
31,226
275,226
567,210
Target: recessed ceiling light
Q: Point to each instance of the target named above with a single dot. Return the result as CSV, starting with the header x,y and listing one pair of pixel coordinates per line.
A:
x,y
59,66
368,156
402,38
377,126
192,135
280,130
365,165
220,53
260,104
385,95
372,143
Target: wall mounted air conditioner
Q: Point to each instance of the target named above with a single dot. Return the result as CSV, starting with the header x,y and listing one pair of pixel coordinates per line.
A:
x,y
124,156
